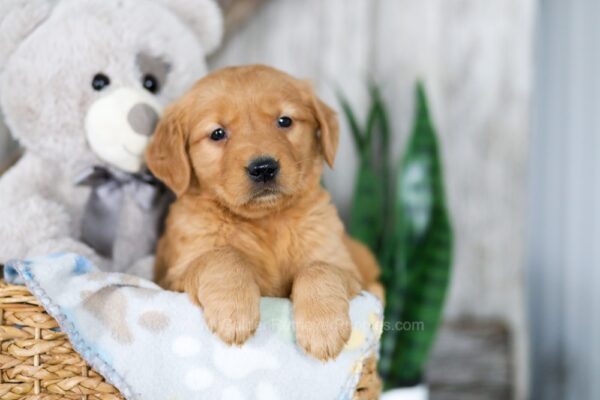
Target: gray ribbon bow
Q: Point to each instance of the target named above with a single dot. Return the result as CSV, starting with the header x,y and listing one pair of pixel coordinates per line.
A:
x,y
103,208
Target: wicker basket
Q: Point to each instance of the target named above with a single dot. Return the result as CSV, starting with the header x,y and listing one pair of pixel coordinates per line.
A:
x,y
38,362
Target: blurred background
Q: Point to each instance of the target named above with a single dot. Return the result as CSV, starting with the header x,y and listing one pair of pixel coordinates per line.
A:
x,y
513,88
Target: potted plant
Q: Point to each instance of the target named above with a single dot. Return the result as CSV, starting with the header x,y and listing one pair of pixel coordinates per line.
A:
x,y
400,213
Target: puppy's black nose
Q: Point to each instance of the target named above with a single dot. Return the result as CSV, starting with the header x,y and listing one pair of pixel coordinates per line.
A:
x,y
263,169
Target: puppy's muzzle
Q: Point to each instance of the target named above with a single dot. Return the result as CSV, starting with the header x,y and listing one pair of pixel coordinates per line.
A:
x,y
263,169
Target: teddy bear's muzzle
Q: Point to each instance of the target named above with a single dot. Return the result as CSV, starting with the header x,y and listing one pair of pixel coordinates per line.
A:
x,y
119,125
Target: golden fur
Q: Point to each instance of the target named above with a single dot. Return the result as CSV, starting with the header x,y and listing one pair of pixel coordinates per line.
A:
x,y
227,240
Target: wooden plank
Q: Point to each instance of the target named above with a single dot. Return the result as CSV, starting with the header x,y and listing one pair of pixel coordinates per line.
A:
x,y
471,361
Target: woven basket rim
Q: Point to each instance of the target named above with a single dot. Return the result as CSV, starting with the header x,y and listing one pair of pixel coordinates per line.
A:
x,y
38,361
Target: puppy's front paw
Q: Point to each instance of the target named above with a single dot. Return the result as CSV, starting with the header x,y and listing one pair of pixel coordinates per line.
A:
x,y
322,331
233,321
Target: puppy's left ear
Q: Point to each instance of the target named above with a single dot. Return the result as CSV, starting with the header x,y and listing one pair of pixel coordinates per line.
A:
x,y
329,129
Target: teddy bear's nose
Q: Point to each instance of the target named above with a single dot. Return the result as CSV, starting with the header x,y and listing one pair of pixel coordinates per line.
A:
x,y
143,119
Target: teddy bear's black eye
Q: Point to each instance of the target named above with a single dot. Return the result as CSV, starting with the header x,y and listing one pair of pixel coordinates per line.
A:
x,y
151,83
218,134
100,81
284,122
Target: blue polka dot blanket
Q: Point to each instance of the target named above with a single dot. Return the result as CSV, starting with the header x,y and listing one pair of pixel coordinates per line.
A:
x,y
153,344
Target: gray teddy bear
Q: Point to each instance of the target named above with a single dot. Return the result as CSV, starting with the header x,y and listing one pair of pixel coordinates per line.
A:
x,y
82,85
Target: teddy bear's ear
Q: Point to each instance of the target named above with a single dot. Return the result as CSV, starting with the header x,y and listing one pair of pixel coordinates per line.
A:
x,y
204,17
18,18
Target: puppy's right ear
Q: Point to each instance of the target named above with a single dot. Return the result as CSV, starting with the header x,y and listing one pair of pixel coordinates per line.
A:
x,y
166,156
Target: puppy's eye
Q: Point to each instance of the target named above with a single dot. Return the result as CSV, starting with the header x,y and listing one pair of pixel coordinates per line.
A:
x,y
151,83
100,81
218,134
284,122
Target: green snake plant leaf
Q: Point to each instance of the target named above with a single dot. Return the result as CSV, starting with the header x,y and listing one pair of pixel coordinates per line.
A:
x,y
368,221
357,136
424,254
366,218
378,132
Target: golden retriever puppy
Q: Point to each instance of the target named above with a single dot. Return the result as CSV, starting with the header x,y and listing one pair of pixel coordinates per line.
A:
x,y
244,151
